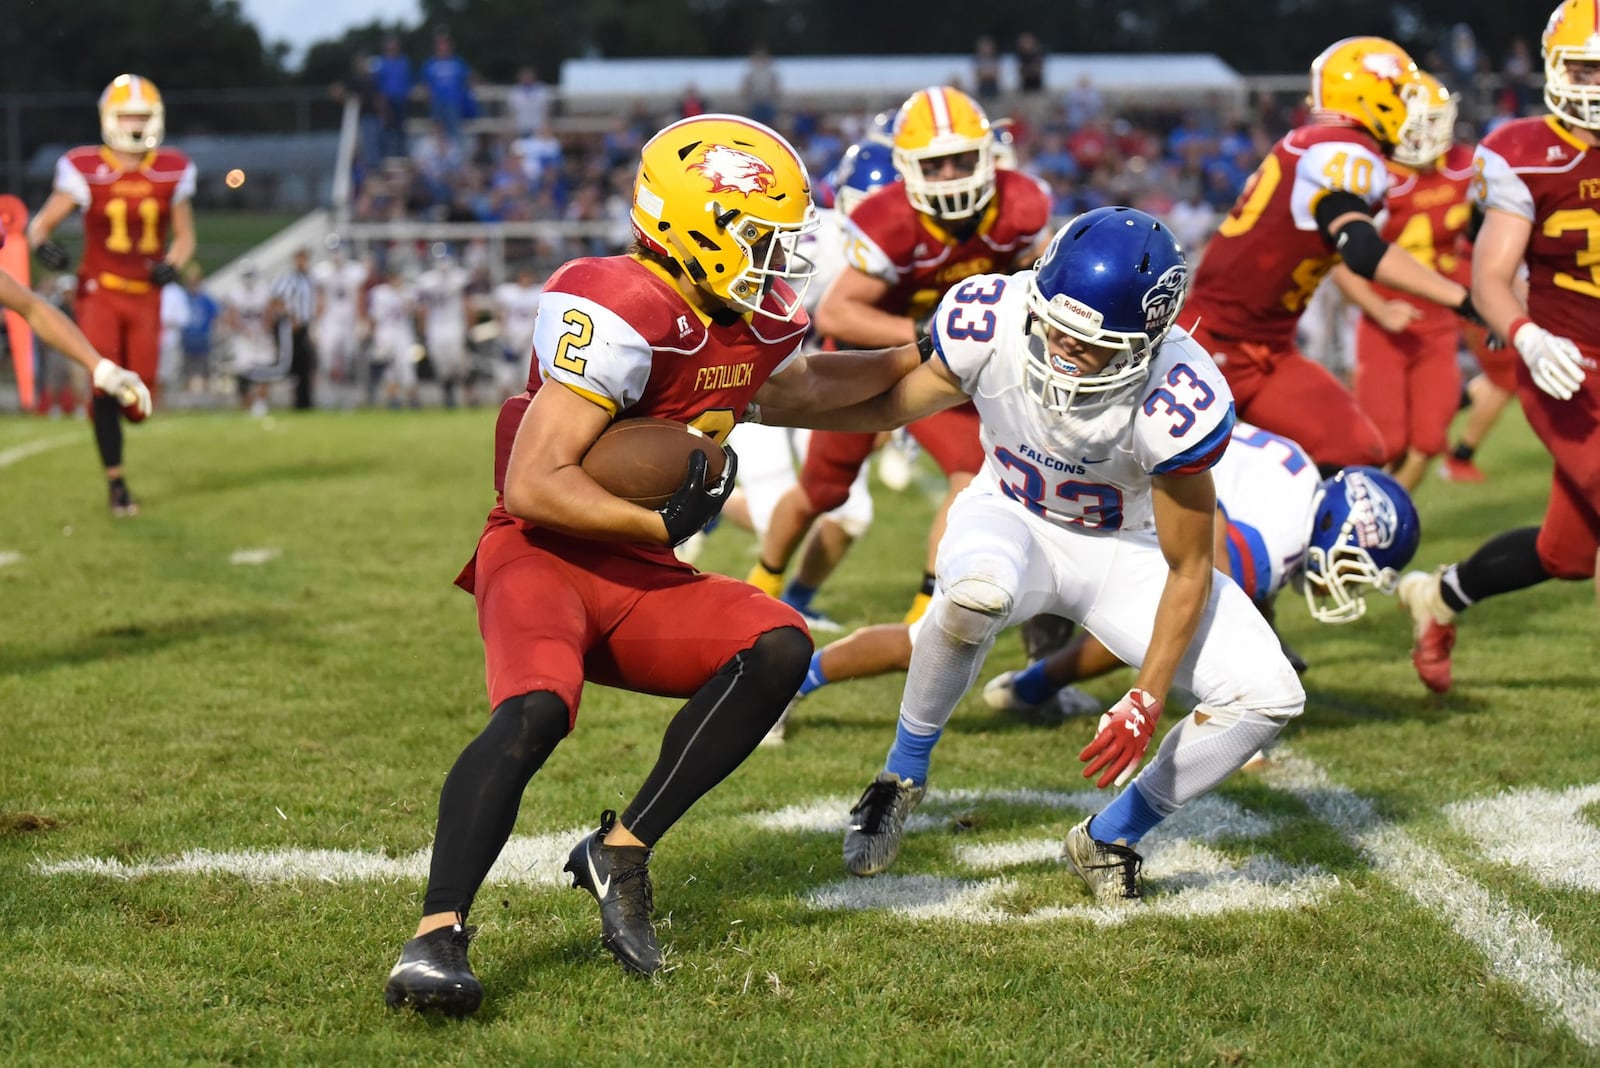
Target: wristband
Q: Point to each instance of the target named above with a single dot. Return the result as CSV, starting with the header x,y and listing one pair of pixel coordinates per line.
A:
x,y
1516,324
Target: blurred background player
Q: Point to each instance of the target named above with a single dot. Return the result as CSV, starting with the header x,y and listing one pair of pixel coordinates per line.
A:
x,y
339,281
1310,205
257,362
1536,181
391,313
133,194
952,215
1407,379
441,293
516,310
769,456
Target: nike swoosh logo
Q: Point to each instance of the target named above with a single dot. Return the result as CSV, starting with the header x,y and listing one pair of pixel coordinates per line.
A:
x,y
601,887
1102,460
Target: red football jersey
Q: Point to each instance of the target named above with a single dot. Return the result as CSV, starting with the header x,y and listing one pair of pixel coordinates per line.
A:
x,y
1428,215
889,239
1267,257
127,214
1535,169
621,334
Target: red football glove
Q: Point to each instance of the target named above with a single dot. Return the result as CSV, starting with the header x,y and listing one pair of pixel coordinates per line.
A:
x,y
1122,738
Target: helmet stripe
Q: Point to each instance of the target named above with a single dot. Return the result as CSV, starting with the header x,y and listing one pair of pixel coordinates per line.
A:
x,y
940,104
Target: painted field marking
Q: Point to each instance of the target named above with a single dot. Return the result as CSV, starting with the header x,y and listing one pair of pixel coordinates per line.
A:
x,y
1517,948
1540,832
249,557
18,453
8,557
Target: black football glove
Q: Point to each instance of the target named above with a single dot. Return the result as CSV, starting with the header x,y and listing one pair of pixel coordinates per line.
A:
x,y
1468,312
53,255
163,274
694,505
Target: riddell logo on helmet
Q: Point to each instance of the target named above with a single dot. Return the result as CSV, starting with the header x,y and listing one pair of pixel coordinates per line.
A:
x,y
733,170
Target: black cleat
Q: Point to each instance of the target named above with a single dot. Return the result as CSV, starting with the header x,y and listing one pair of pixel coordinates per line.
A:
x,y
433,973
619,878
123,506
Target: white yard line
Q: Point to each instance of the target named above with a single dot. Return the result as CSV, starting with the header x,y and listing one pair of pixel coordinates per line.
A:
x,y
1518,950
18,453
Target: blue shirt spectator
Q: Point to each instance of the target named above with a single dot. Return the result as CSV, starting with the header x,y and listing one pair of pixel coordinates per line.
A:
x,y
391,72
449,86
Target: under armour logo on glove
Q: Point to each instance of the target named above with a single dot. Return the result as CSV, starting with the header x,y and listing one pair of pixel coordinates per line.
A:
x,y
1123,736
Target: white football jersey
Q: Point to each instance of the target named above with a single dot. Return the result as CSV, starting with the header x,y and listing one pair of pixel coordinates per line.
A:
x,y
441,291
249,299
390,309
1266,485
339,285
1089,468
517,307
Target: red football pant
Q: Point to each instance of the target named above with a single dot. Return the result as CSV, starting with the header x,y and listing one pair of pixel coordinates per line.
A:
x,y
1280,390
1570,429
1499,365
1409,385
557,611
125,328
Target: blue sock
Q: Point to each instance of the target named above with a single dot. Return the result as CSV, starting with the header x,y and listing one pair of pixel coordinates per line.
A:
x,y
909,756
798,596
815,679
1127,819
1030,684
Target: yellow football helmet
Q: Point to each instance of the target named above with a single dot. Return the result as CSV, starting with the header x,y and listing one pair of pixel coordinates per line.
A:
x,y
135,99
1368,81
1572,36
1430,127
728,200
933,125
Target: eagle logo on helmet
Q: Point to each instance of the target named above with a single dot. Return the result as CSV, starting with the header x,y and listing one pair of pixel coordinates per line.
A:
x,y
1382,65
1162,300
732,170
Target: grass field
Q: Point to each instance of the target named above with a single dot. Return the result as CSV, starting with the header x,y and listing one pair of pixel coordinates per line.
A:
x,y
226,724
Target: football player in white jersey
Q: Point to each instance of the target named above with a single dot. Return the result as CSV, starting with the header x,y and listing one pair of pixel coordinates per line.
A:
x,y
256,360
1277,524
339,281
442,298
1100,423
516,309
391,317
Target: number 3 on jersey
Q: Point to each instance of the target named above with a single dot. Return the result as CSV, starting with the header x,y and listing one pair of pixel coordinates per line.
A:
x,y
968,324
1197,397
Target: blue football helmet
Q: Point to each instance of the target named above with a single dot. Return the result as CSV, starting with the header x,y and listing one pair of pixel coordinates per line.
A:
x,y
1113,277
865,167
1364,529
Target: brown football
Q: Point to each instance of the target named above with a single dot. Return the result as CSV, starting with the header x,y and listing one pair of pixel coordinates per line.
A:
x,y
645,460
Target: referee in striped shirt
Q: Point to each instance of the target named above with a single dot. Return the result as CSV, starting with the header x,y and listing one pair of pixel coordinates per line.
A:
x,y
295,299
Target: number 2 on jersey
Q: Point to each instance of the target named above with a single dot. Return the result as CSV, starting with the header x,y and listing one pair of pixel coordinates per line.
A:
x,y
578,338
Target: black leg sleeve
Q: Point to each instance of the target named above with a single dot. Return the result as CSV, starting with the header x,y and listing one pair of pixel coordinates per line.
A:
x,y
481,795
1506,562
108,430
721,725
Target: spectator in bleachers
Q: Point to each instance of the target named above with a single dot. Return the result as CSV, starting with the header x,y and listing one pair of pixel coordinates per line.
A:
x,y
1030,64
760,87
1191,219
449,85
393,78
985,73
691,103
1084,103
528,103
361,86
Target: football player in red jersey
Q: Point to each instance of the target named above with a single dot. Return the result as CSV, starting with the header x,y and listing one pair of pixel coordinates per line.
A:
x,y
133,194
1539,183
1407,380
700,320
953,215
1310,205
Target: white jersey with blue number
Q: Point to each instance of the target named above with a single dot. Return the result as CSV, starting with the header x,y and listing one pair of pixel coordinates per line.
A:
x,y
1266,485
1088,468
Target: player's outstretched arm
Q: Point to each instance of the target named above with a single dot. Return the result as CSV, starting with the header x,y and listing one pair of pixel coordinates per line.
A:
x,y
849,311
828,391
1392,316
62,334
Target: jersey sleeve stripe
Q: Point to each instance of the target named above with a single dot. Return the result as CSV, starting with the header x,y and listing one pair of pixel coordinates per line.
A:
x,y
1204,456
592,397
1247,559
